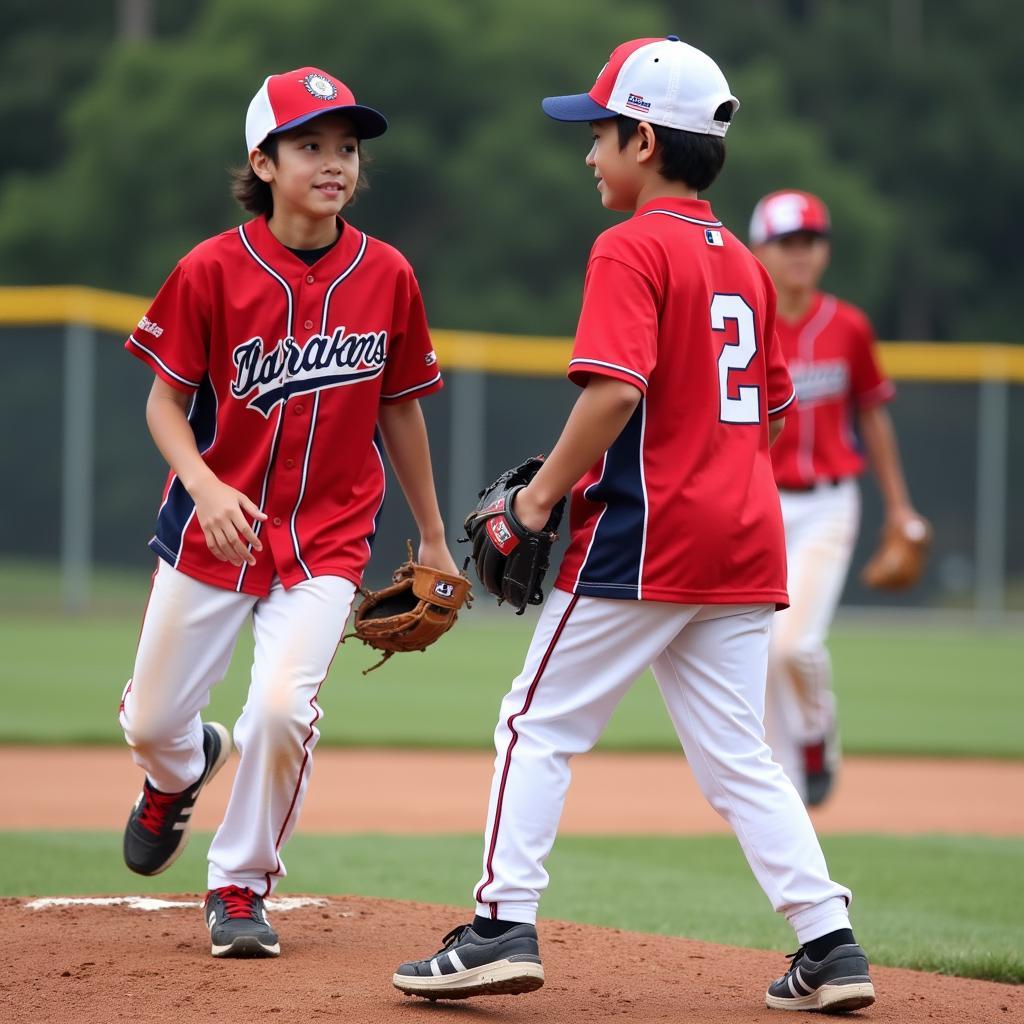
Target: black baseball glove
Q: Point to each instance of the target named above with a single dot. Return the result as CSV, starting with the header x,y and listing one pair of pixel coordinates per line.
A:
x,y
510,558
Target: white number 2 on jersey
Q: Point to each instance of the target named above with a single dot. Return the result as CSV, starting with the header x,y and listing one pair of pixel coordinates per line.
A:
x,y
737,355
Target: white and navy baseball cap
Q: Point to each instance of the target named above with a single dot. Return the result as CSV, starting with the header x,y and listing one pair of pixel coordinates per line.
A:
x,y
788,212
295,97
661,81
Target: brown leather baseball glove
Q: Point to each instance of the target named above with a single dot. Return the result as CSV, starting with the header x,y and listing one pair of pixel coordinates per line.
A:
x,y
419,607
901,556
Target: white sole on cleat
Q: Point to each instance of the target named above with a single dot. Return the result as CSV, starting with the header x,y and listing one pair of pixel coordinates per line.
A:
x,y
226,747
833,998
502,978
246,946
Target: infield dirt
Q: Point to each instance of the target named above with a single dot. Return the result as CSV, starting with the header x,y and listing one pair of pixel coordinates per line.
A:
x,y
94,965
612,794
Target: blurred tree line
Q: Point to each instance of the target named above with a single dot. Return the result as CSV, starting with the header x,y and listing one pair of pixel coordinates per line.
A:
x,y
120,120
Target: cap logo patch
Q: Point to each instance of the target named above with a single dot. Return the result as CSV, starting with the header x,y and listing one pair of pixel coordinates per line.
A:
x,y
636,102
786,213
320,87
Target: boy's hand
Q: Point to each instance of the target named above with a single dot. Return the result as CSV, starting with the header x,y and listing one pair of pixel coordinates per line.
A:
x,y
902,519
435,553
224,515
528,511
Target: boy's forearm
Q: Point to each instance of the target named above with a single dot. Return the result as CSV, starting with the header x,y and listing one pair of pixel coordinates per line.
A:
x,y
883,453
172,434
598,417
405,439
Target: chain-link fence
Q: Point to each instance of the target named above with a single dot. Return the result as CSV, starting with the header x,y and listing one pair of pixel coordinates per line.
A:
x,y
83,479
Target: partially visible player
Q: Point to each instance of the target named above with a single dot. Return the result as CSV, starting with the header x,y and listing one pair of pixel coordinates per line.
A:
x,y
279,348
677,558
841,395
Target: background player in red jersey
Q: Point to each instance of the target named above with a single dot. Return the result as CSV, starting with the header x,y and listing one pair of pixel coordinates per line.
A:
x,y
278,348
677,555
841,394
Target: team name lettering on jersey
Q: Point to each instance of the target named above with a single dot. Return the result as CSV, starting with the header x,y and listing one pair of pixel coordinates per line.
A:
x,y
325,361
817,382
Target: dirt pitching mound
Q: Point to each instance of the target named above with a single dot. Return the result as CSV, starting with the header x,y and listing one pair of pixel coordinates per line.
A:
x,y
96,964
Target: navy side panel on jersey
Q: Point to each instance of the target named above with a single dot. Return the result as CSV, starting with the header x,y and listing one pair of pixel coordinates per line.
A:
x,y
612,566
378,445
179,507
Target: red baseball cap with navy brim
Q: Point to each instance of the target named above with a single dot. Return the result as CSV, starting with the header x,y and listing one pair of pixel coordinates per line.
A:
x,y
663,81
788,212
290,99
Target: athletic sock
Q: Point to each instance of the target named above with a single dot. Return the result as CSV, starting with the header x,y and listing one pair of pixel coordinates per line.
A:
x,y
487,928
818,949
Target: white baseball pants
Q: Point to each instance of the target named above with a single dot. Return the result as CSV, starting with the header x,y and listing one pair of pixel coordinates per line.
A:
x,y
709,663
821,530
188,635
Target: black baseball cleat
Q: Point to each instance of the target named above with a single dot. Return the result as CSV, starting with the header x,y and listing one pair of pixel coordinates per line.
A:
x,y
238,924
838,983
470,965
158,827
821,761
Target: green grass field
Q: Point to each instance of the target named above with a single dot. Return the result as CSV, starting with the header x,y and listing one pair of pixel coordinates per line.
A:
x,y
902,689
942,903
906,912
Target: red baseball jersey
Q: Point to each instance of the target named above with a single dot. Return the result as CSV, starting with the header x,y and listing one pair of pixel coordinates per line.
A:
x,y
288,365
831,355
683,506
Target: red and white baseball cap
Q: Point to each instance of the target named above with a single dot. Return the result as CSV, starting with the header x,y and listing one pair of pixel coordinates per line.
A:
x,y
786,213
661,81
288,100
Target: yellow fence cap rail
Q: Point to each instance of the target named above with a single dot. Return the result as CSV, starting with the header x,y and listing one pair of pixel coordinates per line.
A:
x,y
518,355
106,311
953,361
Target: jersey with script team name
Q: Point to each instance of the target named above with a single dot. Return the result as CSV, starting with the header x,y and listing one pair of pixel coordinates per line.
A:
x,y
288,365
683,506
831,355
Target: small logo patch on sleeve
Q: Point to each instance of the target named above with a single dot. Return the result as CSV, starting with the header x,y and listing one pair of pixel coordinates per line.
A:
x,y
713,237
430,358
150,327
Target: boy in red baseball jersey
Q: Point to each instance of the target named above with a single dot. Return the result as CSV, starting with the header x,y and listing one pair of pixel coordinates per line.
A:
x,y
676,559
842,394
288,353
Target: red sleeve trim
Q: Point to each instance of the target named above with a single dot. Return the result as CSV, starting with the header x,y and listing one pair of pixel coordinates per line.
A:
x,y
878,395
162,370
416,391
580,368
785,405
